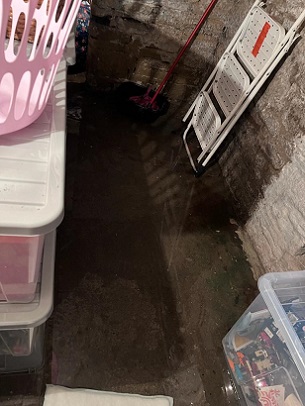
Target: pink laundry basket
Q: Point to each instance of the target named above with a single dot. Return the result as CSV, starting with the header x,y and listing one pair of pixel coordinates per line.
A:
x,y
27,70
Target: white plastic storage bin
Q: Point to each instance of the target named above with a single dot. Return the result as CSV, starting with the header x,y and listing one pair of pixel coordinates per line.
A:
x,y
22,325
32,169
265,348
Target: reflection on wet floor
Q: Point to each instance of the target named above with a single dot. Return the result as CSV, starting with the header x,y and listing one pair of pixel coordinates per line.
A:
x,y
150,274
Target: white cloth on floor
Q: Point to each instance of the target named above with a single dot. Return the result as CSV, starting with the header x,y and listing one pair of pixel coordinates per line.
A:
x,y
61,396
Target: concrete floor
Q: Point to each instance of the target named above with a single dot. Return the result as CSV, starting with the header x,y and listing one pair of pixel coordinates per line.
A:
x,y
150,273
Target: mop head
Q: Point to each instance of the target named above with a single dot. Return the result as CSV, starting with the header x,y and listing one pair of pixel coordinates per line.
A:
x,y
61,396
145,101
135,100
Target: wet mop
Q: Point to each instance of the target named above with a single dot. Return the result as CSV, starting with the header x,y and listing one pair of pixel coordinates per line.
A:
x,y
61,396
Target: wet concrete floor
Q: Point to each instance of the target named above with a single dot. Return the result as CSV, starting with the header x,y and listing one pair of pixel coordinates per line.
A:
x,y
150,273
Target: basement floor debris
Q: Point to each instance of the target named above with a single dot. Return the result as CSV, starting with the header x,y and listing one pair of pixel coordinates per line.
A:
x,y
150,273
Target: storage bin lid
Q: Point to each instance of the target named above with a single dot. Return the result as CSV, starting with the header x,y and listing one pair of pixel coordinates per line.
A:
x,y
278,289
18,316
32,169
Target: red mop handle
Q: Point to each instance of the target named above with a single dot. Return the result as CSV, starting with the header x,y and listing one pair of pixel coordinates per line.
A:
x,y
186,45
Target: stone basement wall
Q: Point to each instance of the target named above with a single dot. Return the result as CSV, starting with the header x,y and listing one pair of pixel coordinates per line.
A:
x,y
264,163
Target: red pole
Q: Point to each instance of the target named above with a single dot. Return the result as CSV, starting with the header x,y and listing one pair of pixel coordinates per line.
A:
x,y
186,45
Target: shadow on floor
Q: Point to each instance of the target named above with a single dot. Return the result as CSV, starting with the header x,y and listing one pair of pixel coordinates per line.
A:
x,y
150,274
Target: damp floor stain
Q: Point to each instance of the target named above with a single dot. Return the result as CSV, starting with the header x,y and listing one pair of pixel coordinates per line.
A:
x,y
150,273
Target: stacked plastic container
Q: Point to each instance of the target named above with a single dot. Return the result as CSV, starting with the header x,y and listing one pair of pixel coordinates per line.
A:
x,y
33,35
265,348
32,167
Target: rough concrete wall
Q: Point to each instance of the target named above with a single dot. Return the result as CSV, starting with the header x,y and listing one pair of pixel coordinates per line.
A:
x,y
277,225
264,164
138,40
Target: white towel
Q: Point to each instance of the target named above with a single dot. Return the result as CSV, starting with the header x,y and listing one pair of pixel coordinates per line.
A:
x,y
61,396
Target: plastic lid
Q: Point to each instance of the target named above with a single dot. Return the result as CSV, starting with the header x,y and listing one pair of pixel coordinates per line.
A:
x,y
32,169
19,316
267,285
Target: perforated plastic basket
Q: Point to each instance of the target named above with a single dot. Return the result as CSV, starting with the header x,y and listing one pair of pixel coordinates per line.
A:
x,y
27,70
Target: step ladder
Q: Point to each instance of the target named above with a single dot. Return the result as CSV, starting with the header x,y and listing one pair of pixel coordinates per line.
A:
x,y
254,52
